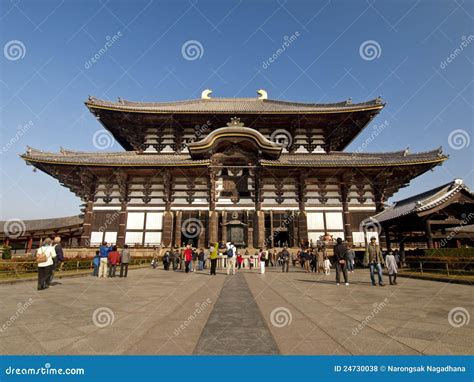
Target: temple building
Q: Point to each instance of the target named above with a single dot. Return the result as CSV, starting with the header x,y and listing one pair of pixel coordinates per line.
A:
x,y
252,170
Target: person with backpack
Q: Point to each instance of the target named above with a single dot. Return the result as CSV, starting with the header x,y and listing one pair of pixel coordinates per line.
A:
x,y
44,258
262,258
231,257
201,259
340,253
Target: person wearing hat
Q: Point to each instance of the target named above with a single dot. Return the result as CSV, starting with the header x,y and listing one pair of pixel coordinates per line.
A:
x,y
374,259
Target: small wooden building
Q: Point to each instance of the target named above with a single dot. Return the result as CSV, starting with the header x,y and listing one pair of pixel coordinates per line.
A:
x,y
438,218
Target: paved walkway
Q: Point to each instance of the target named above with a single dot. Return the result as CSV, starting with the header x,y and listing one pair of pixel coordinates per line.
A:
x,y
158,312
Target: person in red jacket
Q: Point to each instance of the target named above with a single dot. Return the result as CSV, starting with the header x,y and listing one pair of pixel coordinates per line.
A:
x,y
240,260
188,258
114,259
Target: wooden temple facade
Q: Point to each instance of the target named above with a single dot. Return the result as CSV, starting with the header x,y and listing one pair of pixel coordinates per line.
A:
x,y
252,170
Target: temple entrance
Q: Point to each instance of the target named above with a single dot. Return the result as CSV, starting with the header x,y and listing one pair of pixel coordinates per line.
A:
x,y
281,238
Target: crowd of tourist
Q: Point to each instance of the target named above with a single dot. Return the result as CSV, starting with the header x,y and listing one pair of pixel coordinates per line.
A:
x,y
311,258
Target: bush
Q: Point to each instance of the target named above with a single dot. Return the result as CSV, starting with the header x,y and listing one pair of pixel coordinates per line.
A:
x,y
6,252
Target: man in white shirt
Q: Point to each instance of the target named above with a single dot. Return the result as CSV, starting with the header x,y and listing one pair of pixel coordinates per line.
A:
x,y
45,267
231,257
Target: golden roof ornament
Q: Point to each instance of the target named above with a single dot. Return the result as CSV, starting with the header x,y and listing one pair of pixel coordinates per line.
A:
x,y
206,94
262,93
235,122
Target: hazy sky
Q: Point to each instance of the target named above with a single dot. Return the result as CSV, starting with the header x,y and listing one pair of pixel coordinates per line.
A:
x,y
417,55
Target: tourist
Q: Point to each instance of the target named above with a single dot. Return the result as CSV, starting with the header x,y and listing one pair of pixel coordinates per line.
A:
x,y
188,258
373,258
319,259
55,260
175,259
313,261
350,259
392,267
206,257
305,259
273,258
340,254
231,257
240,259
201,259
44,258
396,254
327,266
96,263
114,259
125,258
104,250
285,259
59,254
251,262
166,261
154,263
213,256
195,259
262,258
294,259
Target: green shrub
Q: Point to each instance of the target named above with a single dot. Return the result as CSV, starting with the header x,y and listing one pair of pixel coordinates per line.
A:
x,y
6,252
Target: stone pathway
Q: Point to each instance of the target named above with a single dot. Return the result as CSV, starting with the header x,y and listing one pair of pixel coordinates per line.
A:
x,y
158,312
236,325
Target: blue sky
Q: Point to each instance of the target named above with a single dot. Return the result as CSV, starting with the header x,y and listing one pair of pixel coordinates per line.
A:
x,y
45,75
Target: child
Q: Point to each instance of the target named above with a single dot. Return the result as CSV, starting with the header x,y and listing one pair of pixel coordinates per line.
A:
x,y
251,261
391,264
327,266
96,263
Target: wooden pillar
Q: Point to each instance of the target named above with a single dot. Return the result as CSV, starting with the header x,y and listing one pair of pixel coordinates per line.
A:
x,y
87,225
387,238
213,227
122,225
346,219
378,198
30,245
429,234
202,233
224,227
303,227
167,238
272,236
177,232
260,228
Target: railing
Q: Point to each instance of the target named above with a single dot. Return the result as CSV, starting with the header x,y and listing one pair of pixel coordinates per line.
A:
x,y
441,265
29,266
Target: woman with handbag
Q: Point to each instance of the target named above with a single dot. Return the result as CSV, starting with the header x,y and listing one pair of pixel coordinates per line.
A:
x,y
44,258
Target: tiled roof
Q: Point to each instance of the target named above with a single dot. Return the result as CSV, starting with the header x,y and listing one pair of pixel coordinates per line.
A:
x,y
333,159
233,105
343,159
45,224
422,202
125,158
